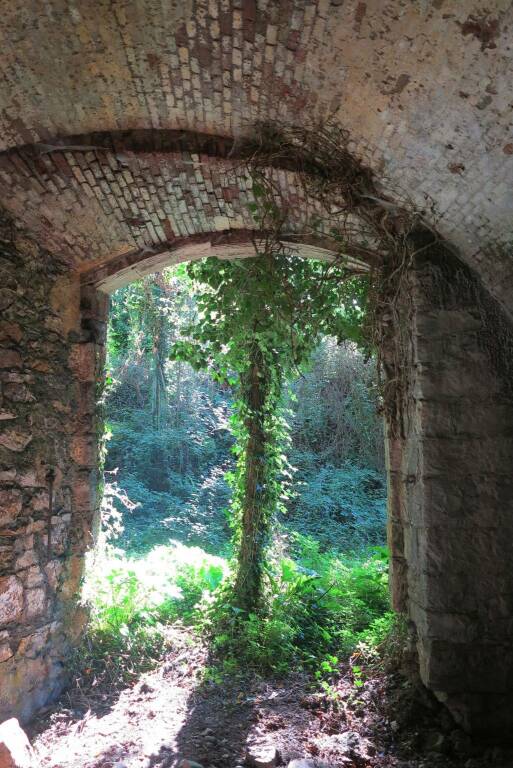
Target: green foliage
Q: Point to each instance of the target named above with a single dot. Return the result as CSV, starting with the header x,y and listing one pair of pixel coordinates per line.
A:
x,y
176,472
259,319
280,302
327,484
334,408
343,507
133,602
321,607
173,466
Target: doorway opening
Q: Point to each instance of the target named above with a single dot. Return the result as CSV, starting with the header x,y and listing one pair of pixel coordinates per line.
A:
x,y
166,549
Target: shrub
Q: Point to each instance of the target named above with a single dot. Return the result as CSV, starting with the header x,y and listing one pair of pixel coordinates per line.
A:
x,y
164,585
318,604
134,601
342,507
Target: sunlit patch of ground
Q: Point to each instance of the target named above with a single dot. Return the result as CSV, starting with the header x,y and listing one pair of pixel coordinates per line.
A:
x,y
184,710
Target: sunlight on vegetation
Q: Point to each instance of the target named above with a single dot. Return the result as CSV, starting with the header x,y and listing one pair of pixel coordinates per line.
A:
x,y
259,321
320,604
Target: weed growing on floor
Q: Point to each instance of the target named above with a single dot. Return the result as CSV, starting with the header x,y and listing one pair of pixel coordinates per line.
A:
x,y
320,608
134,604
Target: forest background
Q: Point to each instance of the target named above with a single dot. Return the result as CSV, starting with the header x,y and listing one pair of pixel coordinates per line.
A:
x,y
169,440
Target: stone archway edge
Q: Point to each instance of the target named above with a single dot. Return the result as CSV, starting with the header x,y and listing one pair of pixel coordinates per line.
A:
x,y
228,244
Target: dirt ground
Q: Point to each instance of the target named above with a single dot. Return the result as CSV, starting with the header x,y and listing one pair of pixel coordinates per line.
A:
x,y
176,713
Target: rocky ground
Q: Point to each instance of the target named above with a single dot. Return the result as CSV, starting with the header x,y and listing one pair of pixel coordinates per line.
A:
x,y
180,715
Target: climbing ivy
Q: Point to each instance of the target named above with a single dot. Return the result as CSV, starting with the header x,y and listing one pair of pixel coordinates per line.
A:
x,y
259,320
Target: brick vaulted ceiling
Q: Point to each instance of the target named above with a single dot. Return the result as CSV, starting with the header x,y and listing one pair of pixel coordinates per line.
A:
x,y
424,88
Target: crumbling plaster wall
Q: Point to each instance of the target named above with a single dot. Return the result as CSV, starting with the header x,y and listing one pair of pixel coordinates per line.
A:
x,y
50,342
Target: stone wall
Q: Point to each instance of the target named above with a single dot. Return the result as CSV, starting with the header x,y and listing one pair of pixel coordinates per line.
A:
x,y
451,493
47,417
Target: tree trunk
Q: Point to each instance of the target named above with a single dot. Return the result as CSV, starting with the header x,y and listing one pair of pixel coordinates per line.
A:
x,y
256,500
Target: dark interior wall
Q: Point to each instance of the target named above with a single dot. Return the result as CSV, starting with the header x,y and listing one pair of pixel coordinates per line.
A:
x,y
451,493
47,418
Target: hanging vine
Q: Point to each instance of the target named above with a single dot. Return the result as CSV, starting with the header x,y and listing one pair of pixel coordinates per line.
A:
x,y
334,201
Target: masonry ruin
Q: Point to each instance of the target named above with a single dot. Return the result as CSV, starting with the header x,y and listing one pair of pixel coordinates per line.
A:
x,y
117,136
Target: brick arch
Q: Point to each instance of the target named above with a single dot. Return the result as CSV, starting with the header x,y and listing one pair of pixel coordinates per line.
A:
x,y
107,201
229,244
423,89
104,197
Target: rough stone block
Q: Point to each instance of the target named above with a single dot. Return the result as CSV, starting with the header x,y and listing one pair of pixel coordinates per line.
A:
x,y
53,571
29,479
32,646
35,603
65,303
483,456
83,451
34,577
82,361
26,560
60,534
438,322
472,668
11,599
15,749
11,503
5,646
10,332
83,494
18,393
9,358
40,501
72,576
14,440
441,381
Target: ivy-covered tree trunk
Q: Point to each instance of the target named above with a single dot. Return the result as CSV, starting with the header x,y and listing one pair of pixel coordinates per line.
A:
x,y
259,320
256,498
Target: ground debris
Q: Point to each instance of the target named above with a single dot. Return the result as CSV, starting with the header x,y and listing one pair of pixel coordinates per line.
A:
x,y
259,756
307,763
178,716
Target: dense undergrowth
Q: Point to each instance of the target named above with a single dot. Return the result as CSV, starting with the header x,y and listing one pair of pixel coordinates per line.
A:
x,y
321,607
